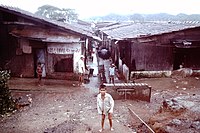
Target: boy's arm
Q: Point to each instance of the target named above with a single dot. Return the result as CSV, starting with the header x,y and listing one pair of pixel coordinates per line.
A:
x,y
112,103
99,106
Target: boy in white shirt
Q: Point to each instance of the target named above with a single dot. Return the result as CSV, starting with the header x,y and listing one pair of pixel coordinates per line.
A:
x,y
105,105
111,73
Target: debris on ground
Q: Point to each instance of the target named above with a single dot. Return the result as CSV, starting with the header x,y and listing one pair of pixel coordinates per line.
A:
x,y
179,114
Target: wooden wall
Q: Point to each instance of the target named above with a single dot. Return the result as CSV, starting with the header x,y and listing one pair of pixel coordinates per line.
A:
x,y
159,53
151,58
22,63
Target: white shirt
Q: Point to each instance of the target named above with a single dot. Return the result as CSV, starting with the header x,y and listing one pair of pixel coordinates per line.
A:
x,y
112,71
81,66
105,105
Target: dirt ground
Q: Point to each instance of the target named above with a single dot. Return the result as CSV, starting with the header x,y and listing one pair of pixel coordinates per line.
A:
x,y
60,106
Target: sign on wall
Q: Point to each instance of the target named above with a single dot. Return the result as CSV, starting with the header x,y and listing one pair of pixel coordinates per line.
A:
x,y
64,48
24,45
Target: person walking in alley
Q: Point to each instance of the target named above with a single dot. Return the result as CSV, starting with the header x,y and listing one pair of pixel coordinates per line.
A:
x,y
105,105
111,73
39,72
81,69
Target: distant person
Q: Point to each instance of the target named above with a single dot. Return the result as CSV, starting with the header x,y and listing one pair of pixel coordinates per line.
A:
x,y
92,55
39,72
105,105
81,69
111,73
181,65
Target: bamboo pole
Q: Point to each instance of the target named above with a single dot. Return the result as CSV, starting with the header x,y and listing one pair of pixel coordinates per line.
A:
x,y
141,120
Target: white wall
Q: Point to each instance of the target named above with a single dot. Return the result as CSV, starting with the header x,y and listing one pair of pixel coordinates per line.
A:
x,y
126,72
120,65
73,48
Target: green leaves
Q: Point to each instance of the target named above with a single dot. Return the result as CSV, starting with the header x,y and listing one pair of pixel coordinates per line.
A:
x,y
6,101
4,77
56,13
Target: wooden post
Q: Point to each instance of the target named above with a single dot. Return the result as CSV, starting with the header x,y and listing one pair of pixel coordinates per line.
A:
x,y
149,93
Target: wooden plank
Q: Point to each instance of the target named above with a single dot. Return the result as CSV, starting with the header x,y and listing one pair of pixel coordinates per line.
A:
x,y
127,85
127,90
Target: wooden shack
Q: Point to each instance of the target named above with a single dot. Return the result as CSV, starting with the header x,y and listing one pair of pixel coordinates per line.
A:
x,y
26,39
155,46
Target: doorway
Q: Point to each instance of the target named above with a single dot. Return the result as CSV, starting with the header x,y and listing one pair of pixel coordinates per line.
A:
x,y
180,58
63,63
39,56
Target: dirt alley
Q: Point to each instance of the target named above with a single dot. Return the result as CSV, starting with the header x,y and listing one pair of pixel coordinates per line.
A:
x,y
60,106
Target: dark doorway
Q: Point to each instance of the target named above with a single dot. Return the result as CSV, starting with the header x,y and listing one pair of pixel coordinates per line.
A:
x,y
39,56
181,57
64,64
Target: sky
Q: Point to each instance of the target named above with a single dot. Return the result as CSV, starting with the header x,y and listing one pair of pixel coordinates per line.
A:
x,y
89,8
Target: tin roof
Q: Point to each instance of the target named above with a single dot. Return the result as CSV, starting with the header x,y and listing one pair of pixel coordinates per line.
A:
x,y
61,25
136,30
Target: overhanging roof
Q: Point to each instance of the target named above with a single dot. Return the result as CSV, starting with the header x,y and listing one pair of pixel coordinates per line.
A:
x,y
43,36
70,28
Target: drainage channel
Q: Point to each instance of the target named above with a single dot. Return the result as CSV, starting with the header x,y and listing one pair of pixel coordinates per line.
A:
x,y
132,112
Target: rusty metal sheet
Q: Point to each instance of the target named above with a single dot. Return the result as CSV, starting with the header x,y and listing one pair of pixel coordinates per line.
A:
x,y
45,36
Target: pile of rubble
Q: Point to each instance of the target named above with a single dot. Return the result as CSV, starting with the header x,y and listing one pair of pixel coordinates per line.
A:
x,y
177,115
183,72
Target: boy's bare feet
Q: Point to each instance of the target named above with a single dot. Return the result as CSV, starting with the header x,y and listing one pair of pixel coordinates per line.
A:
x,y
100,130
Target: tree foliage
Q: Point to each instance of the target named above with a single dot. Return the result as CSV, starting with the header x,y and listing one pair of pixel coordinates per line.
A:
x,y
6,102
55,13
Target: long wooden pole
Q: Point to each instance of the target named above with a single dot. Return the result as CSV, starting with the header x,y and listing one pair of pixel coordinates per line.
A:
x,y
141,120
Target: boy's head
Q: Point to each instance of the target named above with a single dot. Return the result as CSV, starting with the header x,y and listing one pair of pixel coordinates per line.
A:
x,y
102,89
82,57
112,65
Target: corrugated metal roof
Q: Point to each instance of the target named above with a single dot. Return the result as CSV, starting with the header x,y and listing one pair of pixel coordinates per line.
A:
x,y
65,26
134,30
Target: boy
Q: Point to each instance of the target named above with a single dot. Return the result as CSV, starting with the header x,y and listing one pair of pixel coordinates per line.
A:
x,y
105,105
111,73
39,72
81,70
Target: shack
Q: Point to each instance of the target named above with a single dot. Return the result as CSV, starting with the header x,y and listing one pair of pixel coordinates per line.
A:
x,y
26,39
155,46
